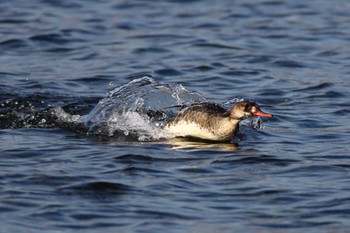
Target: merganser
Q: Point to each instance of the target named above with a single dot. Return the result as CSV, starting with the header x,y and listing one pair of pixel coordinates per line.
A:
x,y
211,121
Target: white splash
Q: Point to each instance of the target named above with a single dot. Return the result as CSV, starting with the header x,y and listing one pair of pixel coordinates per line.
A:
x,y
63,116
140,107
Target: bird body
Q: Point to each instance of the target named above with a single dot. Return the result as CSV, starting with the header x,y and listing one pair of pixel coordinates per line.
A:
x,y
210,121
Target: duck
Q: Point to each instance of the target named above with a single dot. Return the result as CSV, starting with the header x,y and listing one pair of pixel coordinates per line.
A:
x,y
210,121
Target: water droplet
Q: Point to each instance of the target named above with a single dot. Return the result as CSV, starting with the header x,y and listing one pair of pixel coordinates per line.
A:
x,y
139,107
233,101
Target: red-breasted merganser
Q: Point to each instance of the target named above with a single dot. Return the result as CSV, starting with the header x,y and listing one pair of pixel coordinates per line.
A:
x,y
211,121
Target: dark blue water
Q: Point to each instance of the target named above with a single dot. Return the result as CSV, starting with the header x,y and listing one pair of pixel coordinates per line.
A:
x,y
291,57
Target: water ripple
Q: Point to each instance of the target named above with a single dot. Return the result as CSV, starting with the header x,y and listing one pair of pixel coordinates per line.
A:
x,y
99,189
58,59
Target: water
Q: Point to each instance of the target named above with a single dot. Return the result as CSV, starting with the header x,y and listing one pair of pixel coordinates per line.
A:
x,y
60,58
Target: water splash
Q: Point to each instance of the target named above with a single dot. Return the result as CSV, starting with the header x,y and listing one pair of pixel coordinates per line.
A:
x,y
140,107
23,113
136,110
254,122
63,116
233,101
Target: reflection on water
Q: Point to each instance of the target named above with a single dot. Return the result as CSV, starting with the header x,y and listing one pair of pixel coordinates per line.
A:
x,y
193,145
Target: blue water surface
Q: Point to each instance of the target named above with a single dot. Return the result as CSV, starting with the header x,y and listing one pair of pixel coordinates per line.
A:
x,y
291,57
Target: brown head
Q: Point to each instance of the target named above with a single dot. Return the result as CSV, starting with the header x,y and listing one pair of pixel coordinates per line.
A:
x,y
246,109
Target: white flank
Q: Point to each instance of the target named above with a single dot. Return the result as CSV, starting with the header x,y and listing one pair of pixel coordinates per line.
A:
x,y
185,129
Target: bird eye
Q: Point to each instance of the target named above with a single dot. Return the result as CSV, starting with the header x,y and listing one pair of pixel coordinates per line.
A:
x,y
248,108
